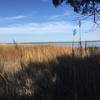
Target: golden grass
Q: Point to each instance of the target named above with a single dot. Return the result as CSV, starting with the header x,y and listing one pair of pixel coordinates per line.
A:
x,y
30,52
12,55
39,64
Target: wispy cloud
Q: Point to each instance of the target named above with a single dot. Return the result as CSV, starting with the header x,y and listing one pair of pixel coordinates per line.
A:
x,y
52,27
65,16
60,16
44,27
13,17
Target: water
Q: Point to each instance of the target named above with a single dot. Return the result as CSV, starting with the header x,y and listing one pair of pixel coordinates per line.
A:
x,y
76,44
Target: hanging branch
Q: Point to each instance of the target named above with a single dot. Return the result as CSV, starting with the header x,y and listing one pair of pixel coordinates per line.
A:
x,y
84,7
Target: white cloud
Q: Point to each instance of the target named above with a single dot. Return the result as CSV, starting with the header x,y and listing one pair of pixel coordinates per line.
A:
x,y
50,27
60,16
65,16
44,27
13,17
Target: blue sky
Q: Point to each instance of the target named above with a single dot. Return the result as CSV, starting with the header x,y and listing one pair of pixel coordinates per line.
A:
x,y
40,21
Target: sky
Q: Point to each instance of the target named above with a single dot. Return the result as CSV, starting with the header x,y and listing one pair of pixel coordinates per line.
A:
x,y
40,21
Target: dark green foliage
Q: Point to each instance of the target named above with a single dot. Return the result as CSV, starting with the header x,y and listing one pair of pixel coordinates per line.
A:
x,y
91,7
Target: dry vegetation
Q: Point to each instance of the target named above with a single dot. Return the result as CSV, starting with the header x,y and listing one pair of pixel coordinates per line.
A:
x,y
35,53
11,56
43,72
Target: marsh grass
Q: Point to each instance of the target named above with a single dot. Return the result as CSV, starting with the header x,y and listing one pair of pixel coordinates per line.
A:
x,y
49,72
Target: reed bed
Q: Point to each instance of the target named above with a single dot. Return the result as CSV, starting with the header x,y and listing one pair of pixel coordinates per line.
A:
x,y
41,71
35,53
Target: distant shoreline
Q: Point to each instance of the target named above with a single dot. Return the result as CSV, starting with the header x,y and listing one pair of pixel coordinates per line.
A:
x,y
69,43
49,42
